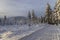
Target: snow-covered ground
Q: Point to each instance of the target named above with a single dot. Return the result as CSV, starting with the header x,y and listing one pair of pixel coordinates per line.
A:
x,y
15,32
50,32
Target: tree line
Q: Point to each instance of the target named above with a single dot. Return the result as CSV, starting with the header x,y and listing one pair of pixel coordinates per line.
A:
x,y
32,17
48,18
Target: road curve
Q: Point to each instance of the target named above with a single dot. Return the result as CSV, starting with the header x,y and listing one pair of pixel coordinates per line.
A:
x,y
48,33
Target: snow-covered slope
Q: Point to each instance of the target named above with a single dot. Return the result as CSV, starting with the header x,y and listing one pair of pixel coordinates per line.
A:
x,y
15,32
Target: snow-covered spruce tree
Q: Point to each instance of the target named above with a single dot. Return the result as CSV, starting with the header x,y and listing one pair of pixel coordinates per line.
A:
x,y
48,14
4,21
44,19
34,17
5,17
57,12
29,15
41,19
29,18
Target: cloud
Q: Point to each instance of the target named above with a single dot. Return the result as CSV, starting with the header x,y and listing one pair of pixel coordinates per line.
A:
x,y
21,7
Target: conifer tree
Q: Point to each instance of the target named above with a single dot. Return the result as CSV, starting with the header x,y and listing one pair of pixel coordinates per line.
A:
x,y
57,12
4,22
33,15
29,15
41,19
5,17
49,13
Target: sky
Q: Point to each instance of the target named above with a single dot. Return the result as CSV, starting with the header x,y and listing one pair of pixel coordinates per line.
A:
x,y
21,7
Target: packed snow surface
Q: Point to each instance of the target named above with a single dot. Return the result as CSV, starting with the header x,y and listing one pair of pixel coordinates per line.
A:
x,y
32,32
15,32
50,32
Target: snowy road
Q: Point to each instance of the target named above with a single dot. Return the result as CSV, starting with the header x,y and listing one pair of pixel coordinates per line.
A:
x,y
15,32
48,33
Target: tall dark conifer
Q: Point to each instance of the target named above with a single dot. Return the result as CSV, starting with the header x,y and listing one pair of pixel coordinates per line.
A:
x,y
29,15
48,13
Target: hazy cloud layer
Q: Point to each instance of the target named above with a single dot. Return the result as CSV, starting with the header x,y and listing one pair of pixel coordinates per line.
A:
x,y
21,7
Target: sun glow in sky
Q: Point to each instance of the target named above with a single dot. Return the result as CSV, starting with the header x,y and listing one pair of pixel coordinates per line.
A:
x,y
21,7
